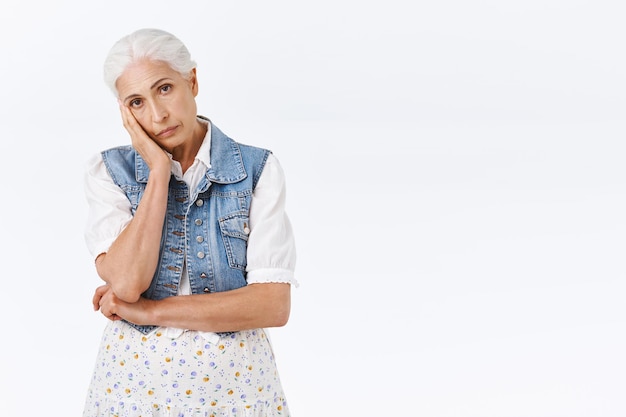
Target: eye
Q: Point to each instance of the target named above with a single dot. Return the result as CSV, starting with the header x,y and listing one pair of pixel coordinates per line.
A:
x,y
166,88
134,103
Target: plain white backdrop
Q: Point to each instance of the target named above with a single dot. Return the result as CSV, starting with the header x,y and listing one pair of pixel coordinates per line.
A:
x,y
456,182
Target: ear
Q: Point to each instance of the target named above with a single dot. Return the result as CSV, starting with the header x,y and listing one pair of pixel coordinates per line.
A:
x,y
193,82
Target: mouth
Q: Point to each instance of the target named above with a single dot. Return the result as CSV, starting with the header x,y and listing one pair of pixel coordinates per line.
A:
x,y
167,132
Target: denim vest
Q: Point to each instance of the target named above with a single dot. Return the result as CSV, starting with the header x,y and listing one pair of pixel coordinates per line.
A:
x,y
208,227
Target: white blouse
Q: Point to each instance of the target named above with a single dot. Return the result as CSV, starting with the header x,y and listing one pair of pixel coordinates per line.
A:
x,y
271,250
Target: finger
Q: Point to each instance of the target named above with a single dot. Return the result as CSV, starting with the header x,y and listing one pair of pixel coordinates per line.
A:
x,y
132,121
128,119
106,312
97,296
138,136
109,316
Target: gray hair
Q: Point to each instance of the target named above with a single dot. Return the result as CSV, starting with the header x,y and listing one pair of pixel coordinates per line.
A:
x,y
153,44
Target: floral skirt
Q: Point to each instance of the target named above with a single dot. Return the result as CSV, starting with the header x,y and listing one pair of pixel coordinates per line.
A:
x,y
156,376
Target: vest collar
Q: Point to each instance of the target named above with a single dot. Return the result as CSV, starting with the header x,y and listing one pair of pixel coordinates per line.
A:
x,y
226,160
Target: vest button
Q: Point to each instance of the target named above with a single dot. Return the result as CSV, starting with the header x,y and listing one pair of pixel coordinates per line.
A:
x,y
198,222
203,275
199,202
206,289
199,239
200,255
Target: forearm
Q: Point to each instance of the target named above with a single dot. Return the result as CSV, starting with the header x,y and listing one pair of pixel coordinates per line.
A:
x,y
250,307
130,263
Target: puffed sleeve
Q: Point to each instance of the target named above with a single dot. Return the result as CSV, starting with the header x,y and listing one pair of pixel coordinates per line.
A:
x,y
271,245
109,210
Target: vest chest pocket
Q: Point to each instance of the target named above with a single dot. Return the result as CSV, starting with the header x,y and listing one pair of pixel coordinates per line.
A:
x,y
235,228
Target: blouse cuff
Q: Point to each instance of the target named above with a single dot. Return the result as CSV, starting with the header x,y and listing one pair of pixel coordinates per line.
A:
x,y
101,247
271,275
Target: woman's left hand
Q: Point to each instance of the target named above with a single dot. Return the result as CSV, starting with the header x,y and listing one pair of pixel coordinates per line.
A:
x,y
111,307
105,300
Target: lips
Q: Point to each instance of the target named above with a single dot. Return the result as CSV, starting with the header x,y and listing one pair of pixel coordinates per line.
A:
x,y
167,132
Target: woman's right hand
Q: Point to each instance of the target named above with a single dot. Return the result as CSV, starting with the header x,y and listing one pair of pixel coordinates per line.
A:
x,y
156,158
131,261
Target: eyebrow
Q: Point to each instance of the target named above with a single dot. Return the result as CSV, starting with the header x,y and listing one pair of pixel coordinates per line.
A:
x,y
157,82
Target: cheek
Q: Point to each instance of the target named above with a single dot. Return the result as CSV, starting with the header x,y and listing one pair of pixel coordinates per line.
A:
x,y
191,107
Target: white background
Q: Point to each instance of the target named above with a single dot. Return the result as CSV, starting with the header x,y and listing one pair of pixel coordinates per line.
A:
x,y
455,179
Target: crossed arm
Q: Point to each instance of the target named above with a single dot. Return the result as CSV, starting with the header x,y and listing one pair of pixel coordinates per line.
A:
x,y
249,307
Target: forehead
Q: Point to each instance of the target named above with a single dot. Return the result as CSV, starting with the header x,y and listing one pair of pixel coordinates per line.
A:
x,y
140,76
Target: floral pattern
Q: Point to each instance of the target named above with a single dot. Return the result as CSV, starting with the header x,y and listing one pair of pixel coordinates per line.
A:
x,y
156,376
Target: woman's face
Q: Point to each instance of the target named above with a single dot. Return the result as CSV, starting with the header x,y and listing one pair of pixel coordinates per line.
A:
x,y
162,101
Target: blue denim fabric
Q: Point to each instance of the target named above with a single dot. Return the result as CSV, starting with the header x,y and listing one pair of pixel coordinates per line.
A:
x,y
207,227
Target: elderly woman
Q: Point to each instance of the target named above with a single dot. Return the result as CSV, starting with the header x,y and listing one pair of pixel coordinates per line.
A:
x,y
189,234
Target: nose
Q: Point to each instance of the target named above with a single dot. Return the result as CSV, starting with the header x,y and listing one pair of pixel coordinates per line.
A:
x,y
158,111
